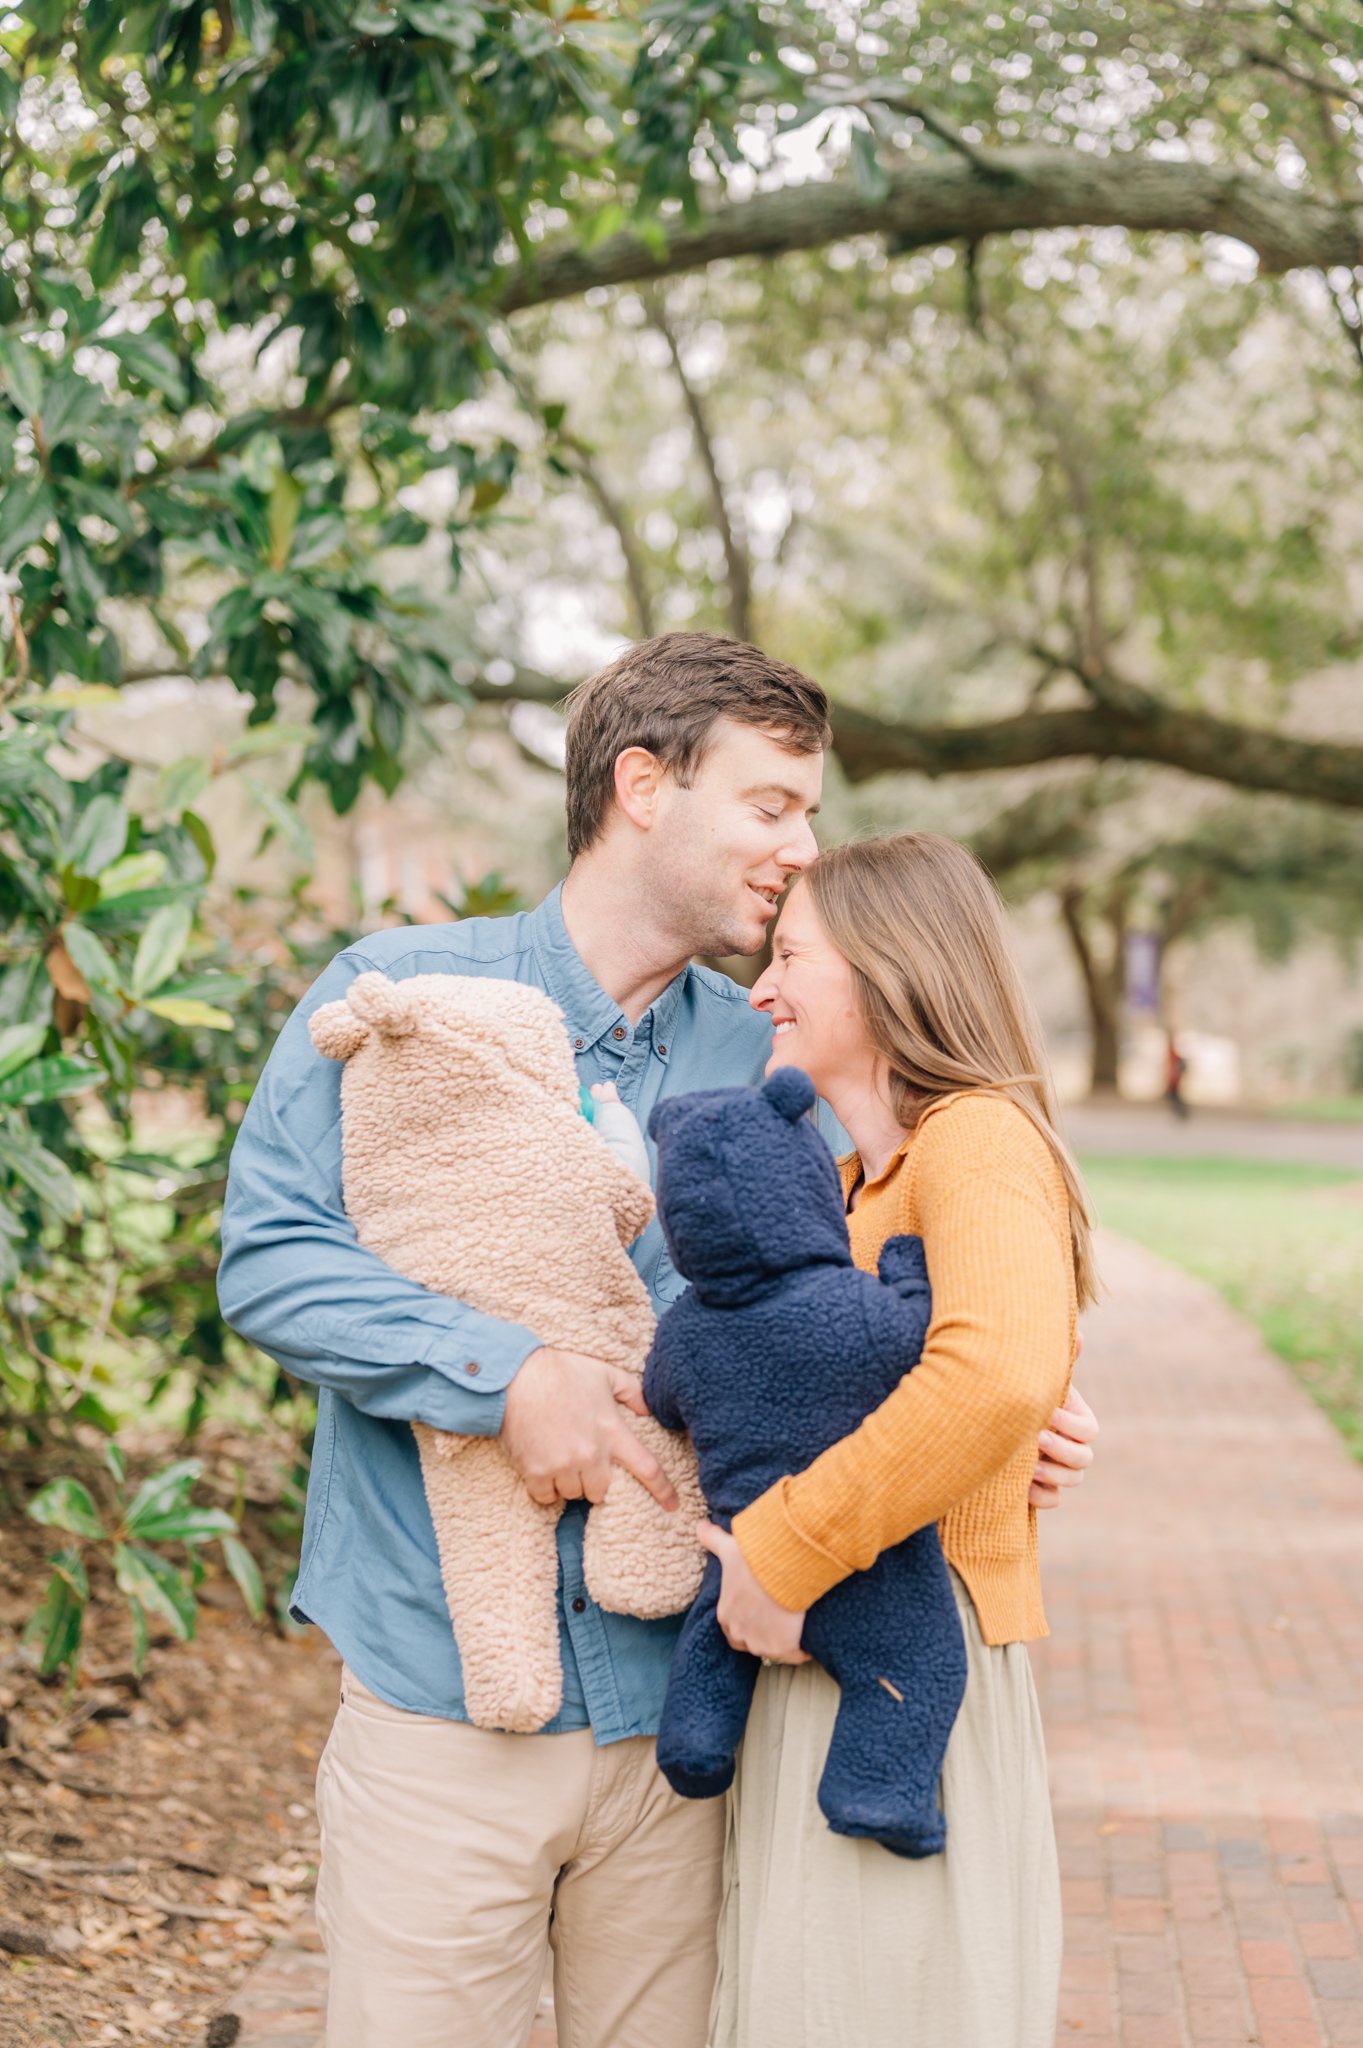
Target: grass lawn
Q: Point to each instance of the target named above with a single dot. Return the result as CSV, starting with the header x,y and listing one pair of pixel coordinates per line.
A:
x,y
1283,1244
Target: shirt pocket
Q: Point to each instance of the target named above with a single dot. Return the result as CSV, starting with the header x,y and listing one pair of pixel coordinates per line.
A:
x,y
665,1282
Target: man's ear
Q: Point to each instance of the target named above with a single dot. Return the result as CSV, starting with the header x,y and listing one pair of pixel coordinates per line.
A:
x,y
638,784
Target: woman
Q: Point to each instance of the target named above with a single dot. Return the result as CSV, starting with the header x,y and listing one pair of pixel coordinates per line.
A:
x,y
893,985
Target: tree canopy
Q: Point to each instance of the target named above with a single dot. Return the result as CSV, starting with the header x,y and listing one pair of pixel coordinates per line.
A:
x,y
257,256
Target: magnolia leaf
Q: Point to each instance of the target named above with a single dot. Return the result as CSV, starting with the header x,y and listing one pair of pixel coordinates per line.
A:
x,y
25,512
258,22
160,947
137,1614
286,819
156,1584
47,1080
246,1572
267,739
116,1462
869,175
85,698
151,361
21,368
161,1491
91,960
18,1044
134,871
39,1169
188,1013
66,1504
286,499
100,836
182,784
71,403
186,1524
53,1633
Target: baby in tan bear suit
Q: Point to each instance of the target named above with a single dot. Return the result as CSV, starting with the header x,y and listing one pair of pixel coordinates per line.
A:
x,y
469,1167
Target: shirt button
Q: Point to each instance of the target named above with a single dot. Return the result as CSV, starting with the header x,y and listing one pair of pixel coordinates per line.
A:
x,y
579,1605
578,1044
473,1368
663,1050
619,1033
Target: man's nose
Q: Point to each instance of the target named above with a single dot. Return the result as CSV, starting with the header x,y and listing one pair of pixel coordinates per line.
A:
x,y
800,849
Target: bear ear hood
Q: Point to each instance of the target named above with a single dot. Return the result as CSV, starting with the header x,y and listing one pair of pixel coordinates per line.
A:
x,y
468,1030
746,1186
790,1092
371,1003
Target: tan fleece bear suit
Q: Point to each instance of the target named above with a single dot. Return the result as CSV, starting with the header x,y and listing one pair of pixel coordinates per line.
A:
x,y
468,1166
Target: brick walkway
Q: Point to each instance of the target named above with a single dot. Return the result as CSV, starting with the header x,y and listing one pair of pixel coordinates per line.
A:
x,y
1203,1693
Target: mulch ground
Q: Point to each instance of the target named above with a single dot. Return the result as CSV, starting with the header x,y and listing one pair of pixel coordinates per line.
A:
x,y
156,1835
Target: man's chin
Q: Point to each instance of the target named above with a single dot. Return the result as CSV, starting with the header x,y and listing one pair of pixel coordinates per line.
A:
x,y
733,943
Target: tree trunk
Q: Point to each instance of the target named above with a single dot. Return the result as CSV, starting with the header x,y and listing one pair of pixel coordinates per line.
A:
x,y
1104,987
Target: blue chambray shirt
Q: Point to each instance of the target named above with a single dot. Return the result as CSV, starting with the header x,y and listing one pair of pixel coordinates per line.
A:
x,y
384,1352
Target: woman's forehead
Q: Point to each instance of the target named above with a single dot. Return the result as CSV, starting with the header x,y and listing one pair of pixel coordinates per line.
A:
x,y
799,919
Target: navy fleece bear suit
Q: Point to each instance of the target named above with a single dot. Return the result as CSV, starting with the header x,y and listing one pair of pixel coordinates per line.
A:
x,y
779,1348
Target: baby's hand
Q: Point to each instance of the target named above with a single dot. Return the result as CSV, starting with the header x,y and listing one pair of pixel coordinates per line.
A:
x,y
620,1129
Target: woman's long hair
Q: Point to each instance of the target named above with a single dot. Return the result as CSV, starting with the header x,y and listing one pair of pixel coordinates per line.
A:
x,y
922,927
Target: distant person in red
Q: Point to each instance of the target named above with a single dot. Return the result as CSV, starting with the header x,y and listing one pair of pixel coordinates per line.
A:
x,y
1175,1067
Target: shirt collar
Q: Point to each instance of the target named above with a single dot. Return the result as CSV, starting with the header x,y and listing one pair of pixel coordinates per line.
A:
x,y
590,1014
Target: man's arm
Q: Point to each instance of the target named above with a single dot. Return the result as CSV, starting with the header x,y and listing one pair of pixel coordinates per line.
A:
x,y
295,1280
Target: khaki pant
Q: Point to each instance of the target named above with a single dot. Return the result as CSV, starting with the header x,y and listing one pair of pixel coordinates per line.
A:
x,y
446,1849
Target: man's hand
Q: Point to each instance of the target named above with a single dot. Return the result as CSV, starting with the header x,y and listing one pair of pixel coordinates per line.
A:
x,y
749,1617
562,1428
1066,1451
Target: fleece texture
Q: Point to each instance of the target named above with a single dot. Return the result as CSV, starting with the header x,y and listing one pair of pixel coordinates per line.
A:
x,y
468,1167
956,1443
779,1349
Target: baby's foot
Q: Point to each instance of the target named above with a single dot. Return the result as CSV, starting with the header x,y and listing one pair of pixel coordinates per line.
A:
x,y
605,1091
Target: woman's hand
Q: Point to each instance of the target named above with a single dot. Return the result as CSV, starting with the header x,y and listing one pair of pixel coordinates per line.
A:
x,y
749,1617
1066,1451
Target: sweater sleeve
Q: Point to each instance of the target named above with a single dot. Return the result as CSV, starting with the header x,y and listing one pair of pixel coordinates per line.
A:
x,y
995,1363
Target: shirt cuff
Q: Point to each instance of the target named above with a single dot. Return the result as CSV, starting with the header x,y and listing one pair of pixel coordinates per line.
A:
x,y
785,1562
471,1372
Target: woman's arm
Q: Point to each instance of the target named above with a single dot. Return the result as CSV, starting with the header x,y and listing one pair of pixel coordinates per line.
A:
x,y
996,1363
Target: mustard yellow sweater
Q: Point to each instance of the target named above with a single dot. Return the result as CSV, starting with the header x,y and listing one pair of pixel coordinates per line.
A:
x,y
955,1443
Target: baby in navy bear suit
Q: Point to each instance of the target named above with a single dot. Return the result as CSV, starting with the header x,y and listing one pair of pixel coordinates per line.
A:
x,y
779,1348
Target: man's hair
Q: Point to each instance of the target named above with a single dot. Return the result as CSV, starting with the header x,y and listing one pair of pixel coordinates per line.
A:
x,y
667,695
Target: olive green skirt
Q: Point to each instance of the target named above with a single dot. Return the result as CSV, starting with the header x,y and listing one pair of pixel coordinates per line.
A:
x,y
831,1943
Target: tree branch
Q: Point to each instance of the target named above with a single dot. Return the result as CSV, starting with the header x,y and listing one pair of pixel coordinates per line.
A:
x,y
1136,728
613,512
737,567
945,199
1242,756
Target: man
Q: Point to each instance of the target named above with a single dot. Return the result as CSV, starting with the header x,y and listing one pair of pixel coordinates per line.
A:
x,y
694,766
